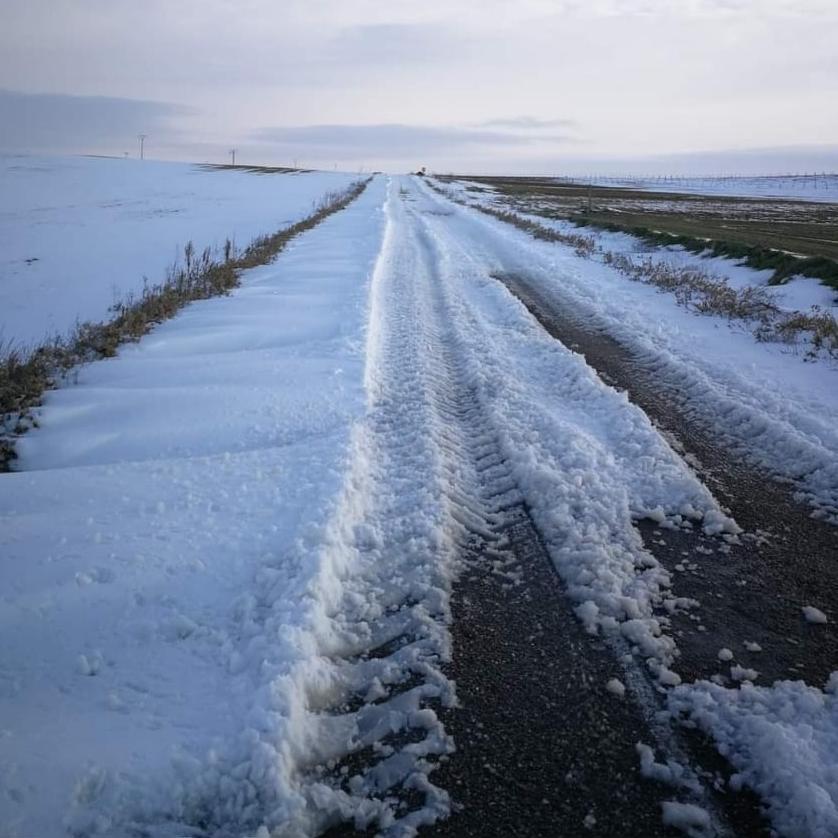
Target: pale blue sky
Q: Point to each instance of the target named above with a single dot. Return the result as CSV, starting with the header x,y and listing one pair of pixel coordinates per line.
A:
x,y
458,85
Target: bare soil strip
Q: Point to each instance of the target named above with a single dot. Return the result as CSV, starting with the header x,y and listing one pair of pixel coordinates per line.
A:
x,y
542,747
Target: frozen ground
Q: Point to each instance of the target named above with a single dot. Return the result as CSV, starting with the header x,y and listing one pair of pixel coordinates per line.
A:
x,y
77,232
822,187
218,536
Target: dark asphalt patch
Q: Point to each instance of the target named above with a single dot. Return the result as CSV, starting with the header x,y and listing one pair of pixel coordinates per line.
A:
x,y
542,747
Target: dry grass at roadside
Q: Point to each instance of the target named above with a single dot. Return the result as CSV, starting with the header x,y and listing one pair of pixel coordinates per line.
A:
x,y
693,287
25,374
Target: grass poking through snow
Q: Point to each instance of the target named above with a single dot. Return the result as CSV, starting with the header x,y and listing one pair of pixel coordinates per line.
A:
x,y
693,287
25,374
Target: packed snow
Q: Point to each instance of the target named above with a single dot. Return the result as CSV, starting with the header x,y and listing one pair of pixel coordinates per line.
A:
x,y
78,233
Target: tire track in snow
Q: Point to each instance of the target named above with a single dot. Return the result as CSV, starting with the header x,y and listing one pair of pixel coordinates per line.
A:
x,y
555,750
785,562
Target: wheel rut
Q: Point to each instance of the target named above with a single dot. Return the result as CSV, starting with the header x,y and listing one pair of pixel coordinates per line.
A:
x,y
535,744
751,592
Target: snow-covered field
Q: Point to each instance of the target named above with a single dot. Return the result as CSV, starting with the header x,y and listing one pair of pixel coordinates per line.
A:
x,y
800,293
209,531
77,233
821,187
166,571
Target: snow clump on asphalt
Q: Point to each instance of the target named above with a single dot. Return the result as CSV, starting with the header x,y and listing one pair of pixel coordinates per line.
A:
x,y
814,615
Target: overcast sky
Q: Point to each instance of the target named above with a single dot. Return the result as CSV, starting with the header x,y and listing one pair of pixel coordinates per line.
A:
x,y
457,85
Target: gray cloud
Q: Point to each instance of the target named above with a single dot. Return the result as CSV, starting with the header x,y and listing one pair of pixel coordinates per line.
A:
x,y
393,44
525,123
50,122
395,140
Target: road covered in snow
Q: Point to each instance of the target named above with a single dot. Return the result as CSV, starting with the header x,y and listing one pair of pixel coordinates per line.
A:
x,y
259,568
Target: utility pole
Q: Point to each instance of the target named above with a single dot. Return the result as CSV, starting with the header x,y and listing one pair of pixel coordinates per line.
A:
x,y
141,138
233,155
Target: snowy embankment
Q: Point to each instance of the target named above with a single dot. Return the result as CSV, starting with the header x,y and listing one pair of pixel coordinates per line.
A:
x,y
765,399
820,187
798,293
168,568
76,233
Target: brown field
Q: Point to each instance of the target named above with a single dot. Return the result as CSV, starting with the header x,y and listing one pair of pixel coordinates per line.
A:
x,y
804,228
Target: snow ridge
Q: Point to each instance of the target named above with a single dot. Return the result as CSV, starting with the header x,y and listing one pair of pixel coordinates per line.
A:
x,y
344,724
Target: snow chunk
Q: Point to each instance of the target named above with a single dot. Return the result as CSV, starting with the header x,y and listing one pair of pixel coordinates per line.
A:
x,y
725,655
616,687
740,673
667,677
89,664
672,773
814,615
588,612
687,817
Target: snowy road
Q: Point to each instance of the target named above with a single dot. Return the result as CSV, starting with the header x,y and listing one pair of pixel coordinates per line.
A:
x,y
324,511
